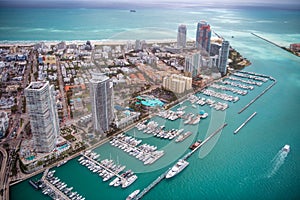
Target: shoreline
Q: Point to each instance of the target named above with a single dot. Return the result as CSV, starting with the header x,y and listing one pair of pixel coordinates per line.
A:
x,y
29,43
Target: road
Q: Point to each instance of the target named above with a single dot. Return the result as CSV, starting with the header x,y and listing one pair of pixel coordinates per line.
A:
x,y
4,175
62,91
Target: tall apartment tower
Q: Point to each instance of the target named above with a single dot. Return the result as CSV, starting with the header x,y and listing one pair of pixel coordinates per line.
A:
x,y
223,58
101,90
181,36
43,115
203,36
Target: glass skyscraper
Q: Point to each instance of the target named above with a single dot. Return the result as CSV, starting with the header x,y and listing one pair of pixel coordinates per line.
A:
x,y
101,90
181,36
42,110
203,36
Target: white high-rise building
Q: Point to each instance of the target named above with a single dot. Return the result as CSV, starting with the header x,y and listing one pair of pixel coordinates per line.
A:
x,y
223,58
101,90
43,116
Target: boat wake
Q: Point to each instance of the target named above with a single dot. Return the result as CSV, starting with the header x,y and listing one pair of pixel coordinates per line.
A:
x,y
277,162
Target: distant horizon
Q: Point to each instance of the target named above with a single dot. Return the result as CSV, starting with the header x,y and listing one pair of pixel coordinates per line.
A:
x,y
129,4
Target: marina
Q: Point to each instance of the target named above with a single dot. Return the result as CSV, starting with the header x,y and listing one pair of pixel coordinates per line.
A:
x,y
146,153
55,188
257,97
236,165
244,123
107,169
184,158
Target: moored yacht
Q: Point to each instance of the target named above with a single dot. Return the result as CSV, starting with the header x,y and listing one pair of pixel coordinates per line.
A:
x,y
177,168
133,195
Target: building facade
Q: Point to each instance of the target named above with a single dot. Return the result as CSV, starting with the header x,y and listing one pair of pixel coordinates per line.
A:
x,y
177,83
181,36
101,90
203,36
223,57
4,120
43,115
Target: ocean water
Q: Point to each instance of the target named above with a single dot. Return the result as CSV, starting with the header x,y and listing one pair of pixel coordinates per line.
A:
x,y
248,165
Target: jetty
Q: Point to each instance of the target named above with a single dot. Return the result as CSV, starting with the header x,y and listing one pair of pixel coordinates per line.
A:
x,y
204,141
152,185
269,41
257,97
266,40
162,176
263,92
244,123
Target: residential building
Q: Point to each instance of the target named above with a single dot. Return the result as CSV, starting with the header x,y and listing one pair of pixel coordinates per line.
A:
x,y
101,90
223,57
181,36
177,83
192,64
203,36
43,115
4,120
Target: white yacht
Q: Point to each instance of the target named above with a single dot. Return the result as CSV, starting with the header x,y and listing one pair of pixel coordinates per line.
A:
x,y
177,168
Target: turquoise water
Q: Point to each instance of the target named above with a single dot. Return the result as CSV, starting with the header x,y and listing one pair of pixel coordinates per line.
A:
x,y
231,166
150,102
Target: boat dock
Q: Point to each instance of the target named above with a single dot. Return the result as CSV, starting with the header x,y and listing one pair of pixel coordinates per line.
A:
x,y
162,176
204,141
257,97
59,194
104,167
152,185
244,123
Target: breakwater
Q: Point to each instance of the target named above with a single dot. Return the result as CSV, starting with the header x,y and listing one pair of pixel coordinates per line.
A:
x,y
244,123
262,93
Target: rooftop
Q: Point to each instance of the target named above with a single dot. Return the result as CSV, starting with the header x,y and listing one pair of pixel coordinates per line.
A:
x,y
36,85
99,77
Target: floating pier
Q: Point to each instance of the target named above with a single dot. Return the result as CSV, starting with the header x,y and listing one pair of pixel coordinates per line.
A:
x,y
244,123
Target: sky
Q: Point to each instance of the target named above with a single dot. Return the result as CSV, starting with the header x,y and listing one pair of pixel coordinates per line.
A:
x,y
144,3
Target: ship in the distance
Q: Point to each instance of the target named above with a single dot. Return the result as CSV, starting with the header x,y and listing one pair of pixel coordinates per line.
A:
x,y
286,148
177,168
